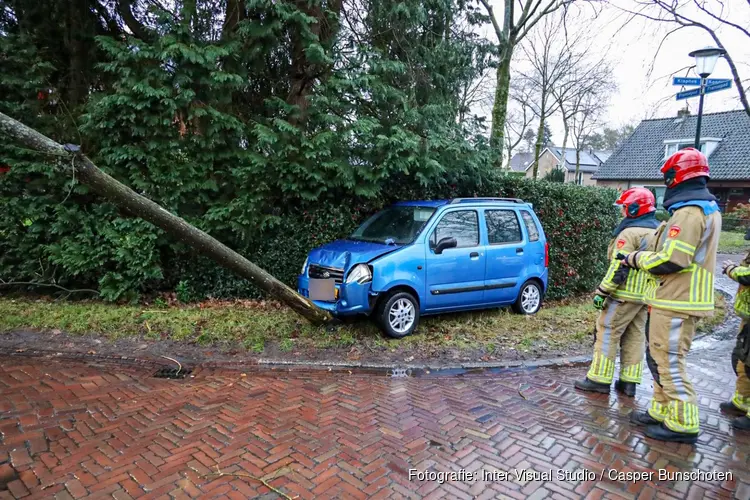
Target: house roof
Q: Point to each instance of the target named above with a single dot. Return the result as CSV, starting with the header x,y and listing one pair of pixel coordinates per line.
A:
x,y
521,161
642,154
603,155
589,161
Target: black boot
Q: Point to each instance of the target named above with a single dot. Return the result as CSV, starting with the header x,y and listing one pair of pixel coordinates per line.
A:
x,y
741,423
627,388
661,433
728,407
643,418
591,386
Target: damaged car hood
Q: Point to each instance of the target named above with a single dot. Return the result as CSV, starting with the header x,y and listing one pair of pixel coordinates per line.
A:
x,y
342,254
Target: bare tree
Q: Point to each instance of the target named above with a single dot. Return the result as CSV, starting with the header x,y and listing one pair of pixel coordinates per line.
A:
x,y
515,26
584,123
711,16
551,60
587,85
519,118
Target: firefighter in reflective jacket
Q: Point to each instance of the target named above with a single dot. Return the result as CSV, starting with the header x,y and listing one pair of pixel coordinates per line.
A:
x,y
622,322
682,292
740,403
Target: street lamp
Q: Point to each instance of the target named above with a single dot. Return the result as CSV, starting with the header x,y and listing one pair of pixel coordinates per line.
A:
x,y
705,61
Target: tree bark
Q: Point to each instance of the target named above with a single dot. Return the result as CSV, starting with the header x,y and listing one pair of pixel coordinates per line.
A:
x,y
127,199
303,72
124,8
500,106
234,15
566,132
578,164
539,143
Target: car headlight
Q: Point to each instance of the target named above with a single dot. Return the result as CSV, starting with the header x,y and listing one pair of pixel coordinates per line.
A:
x,y
360,273
304,267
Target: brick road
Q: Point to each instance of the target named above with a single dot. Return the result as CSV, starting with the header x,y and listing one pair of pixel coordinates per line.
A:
x,y
72,430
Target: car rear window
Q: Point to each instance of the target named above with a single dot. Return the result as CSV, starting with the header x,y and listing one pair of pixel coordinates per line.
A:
x,y
530,226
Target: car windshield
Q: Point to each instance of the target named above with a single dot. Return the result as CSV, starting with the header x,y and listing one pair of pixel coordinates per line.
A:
x,y
398,225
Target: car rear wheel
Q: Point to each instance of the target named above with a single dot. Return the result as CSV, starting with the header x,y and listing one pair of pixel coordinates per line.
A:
x,y
529,299
398,315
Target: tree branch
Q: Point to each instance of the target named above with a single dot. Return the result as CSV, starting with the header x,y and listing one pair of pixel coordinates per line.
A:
x,y
702,7
552,7
495,25
684,21
52,285
125,9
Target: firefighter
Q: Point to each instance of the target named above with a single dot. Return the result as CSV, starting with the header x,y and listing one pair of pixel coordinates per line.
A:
x,y
682,292
622,321
740,403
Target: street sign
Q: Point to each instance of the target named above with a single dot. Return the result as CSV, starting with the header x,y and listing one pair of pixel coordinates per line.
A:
x,y
718,86
688,93
679,80
714,81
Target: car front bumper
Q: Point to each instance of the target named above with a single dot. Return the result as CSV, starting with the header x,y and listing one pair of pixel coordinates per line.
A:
x,y
353,298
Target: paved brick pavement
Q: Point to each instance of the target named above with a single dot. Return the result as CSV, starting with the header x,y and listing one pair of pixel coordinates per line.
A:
x,y
72,430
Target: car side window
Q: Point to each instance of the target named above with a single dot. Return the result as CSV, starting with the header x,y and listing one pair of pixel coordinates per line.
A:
x,y
502,226
462,225
530,226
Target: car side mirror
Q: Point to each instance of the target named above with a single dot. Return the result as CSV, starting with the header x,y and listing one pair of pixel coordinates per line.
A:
x,y
444,244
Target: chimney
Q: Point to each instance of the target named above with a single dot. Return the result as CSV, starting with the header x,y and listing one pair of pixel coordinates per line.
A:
x,y
683,112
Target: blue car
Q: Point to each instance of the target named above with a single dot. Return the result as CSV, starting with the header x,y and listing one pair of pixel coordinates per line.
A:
x,y
426,257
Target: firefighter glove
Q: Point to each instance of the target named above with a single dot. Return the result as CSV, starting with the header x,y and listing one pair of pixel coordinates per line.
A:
x,y
599,300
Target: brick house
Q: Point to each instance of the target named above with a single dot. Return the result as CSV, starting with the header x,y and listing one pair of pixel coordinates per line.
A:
x,y
725,139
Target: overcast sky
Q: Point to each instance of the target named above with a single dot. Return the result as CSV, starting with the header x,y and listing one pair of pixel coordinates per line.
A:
x,y
631,47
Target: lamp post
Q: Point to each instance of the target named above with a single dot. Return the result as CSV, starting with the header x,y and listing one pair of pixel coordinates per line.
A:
x,y
705,61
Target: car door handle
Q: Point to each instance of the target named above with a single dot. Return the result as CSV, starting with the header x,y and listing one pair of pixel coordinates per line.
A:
x,y
519,250
474,254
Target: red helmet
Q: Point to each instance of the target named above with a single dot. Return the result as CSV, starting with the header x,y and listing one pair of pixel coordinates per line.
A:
x,y
637,201
685,164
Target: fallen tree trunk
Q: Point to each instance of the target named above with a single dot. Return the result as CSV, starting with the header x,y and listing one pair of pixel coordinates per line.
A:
x,y
124,197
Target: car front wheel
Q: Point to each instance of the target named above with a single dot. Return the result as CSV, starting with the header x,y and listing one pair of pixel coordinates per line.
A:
x,y
529,298
398,315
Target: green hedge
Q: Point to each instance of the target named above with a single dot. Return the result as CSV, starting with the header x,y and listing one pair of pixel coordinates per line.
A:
x,y
89,244
577,220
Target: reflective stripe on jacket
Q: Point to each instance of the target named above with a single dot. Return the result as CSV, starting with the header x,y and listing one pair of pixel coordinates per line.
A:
x,y
632,288
683,266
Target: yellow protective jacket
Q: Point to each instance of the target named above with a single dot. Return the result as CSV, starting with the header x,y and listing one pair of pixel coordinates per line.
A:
x,y
625,284
741,274
684,262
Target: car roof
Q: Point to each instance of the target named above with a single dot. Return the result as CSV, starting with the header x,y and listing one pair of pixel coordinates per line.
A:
x,y
463,201
421,203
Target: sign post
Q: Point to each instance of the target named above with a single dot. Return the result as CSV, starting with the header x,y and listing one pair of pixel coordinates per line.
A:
x,y
700,115
705,86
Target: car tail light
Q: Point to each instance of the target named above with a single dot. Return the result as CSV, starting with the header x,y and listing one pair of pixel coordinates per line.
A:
x,y
546,254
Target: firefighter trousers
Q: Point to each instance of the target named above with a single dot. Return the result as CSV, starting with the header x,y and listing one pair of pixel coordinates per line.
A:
x,y
621,325
741,398
670,335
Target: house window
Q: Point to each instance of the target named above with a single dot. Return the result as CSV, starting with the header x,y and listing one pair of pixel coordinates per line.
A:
x,y
579,179
672,147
